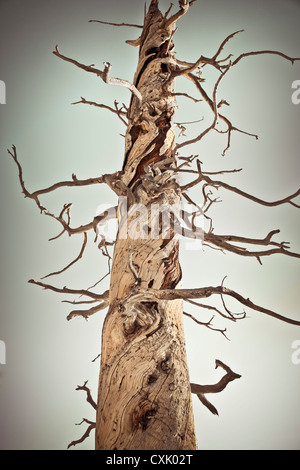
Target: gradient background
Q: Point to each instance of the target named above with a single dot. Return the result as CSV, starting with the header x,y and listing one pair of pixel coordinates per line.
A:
x,y
47,357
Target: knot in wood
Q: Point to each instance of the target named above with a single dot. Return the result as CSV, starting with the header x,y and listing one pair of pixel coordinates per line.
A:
x,y
143,413
139,316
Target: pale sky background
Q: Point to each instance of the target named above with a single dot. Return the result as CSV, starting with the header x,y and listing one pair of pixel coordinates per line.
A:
x,y
47,357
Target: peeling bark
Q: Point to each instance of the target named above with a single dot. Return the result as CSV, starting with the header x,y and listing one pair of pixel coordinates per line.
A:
x,y
144,399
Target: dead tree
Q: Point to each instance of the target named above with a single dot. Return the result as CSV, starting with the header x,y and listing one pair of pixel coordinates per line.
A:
x,y
144,394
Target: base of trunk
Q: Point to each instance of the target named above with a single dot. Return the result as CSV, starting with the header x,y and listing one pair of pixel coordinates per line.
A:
x,y
144,400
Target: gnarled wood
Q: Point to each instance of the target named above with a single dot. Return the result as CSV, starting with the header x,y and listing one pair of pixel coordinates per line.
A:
x,y
144,399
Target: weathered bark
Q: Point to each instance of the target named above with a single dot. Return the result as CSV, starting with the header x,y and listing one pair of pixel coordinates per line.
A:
x,y
144,396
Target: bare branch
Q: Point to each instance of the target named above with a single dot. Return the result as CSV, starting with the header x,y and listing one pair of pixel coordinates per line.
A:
x,y
66,226
121,82
210,307
116,111
201,390
87,68
181,125
97,357
203,292
92,426
222,241
117,24
66,290
79,302
168,10
89,398
206,324
74,182
184,6
229,130
112,180
134,42
13,153
187,96
214,107
104,74
247,54
66,209
190,67
79,313
72,262
87,313
225,42
233,316
105,275
202,61
236,170
216,183
53,187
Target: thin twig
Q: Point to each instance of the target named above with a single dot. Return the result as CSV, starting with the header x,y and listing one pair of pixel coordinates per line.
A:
x,y
66,290
92,426
203,176
117,24
207,324
72,262
53,187
187,96
247,54
116,111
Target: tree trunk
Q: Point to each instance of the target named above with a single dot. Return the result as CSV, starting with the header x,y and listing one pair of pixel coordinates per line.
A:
x,y
144,396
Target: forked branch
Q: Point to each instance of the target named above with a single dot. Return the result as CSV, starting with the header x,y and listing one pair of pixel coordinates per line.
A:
x,y
101,298
71,183
207,324
224,242
201,390
184,6
223,66
89,398
116,110
112,180
92,425
203,177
